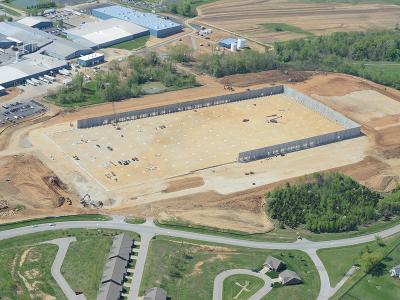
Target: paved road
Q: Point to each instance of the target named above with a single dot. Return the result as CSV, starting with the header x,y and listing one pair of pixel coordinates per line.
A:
x,y
150,229
219,283
139,267
63,245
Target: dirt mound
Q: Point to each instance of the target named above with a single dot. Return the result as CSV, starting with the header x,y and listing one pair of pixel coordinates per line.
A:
x,y
184,184
266,77
26,180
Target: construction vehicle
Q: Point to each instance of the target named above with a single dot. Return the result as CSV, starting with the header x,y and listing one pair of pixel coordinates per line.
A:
x,y
75,157
87,201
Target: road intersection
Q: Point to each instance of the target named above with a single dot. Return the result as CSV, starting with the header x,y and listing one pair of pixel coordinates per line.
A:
x,y
149,229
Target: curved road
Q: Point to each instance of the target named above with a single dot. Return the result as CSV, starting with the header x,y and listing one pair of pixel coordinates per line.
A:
x,y
149,229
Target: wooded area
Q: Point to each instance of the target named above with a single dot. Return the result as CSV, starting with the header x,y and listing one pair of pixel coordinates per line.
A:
x,y
332,202
344,52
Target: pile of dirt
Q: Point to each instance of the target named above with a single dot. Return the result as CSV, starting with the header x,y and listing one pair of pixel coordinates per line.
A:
x,y
184,184
266,77
26,180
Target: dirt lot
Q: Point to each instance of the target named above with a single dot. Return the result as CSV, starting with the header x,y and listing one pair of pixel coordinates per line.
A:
x,y
244,17
181,143
26,180
225,196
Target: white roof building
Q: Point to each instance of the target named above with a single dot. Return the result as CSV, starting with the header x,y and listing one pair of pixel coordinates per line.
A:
x,y
105,33
35,22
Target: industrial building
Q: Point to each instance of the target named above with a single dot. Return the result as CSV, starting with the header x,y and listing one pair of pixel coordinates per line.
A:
x,y
232,43
105,33
36,22
157,25
6,43
29,66
65,49
91,59
31,39
2,90
116,267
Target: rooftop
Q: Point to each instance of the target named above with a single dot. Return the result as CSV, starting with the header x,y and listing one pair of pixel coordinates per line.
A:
x,y
148,20
104,31
91,56
25,34
32,21
121,246
155,293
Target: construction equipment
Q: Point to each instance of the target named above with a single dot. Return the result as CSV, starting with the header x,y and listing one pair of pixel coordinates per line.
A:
x,y
75,157
87,201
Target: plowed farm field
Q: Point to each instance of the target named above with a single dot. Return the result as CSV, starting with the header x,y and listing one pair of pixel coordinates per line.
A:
x,y
290,19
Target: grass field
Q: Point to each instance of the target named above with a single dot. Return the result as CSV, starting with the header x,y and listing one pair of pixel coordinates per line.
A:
x,y
133,44
379,284
82,266
182,266
89,97
231,288
135,220
397,2
280,235
31,263
386,73
10,11
92,217
339,260
284,27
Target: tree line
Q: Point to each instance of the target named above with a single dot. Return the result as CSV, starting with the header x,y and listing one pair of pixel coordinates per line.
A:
x,y
124,80
331,202
344,52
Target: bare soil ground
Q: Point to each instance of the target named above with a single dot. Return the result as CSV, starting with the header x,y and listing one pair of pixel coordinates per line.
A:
x,y
26,180
244,17
225,197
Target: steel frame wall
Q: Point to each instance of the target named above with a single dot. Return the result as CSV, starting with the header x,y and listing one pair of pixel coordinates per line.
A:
x,y
178,107
352,129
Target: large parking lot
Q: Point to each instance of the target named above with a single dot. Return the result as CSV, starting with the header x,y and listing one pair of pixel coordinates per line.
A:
x,y
12,112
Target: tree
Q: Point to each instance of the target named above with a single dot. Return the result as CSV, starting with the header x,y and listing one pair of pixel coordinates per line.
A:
x,y
180,53
369,261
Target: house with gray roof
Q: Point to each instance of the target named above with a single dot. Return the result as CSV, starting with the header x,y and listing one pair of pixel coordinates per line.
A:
x,y
121,247
155,293
395,271
109,290
116,268
288,277
274,264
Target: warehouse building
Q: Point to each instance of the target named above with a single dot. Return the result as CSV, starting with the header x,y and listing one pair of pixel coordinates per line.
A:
x,y
65,49
91,59
36,22
2,90
105,33
30,66
6,43
157,25
23,34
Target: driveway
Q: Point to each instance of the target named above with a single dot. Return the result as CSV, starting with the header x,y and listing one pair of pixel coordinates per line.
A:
x,y
219,283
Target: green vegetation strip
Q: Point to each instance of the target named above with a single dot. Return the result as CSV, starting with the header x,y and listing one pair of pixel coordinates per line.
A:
x,y
278,27
182,266
249,284
10,11
133,44
135,220
92,217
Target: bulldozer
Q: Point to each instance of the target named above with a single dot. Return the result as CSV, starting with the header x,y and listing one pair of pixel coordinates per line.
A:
x,y
87,201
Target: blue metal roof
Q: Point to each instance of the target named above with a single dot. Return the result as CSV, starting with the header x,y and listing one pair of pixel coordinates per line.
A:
x,y
228,41
148,20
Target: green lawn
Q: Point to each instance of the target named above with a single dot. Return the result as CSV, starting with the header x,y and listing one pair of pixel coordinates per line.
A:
x,y
82,267
133,44
231,288
132,220
84,263
379,284
386,73
34,266
278,234
10,11
339,260
182,266
277,27
88,217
